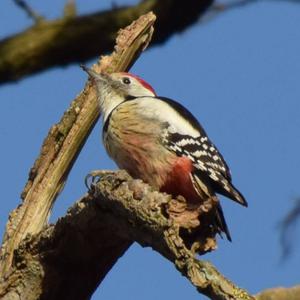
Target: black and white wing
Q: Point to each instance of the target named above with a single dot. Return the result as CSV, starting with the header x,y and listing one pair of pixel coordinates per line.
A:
x,y
208,162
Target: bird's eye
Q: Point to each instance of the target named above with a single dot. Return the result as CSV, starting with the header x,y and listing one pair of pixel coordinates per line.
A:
x,y
126,80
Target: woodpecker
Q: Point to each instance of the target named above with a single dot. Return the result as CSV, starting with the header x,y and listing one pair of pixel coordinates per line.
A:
x,y
159,141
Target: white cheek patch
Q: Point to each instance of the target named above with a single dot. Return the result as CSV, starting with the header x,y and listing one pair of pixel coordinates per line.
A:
x,y
108,102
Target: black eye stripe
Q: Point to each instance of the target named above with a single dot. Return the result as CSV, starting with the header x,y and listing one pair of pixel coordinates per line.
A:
x,y
126,80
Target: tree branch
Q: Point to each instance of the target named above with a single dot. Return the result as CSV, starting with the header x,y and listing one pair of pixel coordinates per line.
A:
x,y
64,142
95,232
77,39
220,7
70,9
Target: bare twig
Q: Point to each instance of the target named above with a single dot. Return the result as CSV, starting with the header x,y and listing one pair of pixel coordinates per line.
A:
x,y
218,8
30,12
286,227
70,9
223,6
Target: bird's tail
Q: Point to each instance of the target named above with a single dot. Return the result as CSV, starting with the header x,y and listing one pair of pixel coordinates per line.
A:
x,y
227,189
221,222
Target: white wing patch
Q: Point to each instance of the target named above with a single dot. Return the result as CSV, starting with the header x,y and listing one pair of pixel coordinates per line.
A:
x,y
185,142
163,112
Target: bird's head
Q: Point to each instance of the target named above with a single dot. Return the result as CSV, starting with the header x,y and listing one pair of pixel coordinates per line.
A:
x,y
116,88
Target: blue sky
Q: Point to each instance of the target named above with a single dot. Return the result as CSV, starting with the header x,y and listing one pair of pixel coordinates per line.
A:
x,y
240,75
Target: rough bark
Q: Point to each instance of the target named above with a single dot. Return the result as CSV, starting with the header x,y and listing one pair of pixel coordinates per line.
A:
x,y
95,233
64,142
79,38
97,230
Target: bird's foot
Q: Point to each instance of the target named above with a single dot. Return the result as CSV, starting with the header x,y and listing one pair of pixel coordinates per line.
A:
x,y
94,177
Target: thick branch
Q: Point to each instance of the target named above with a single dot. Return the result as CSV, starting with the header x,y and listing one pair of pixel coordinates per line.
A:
x,y
95,233
64,142
68,40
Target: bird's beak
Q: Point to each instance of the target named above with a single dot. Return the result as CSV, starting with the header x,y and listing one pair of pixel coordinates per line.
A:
x,y
96,76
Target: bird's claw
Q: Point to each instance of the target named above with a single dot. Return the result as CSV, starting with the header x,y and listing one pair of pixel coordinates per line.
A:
x,y
94,177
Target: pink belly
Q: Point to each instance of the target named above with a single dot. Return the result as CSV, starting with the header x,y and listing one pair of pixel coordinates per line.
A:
x,y
142,157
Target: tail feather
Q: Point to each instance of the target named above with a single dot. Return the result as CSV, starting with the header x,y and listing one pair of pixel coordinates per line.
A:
x,y
221,222
221,185
237,196
229,190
